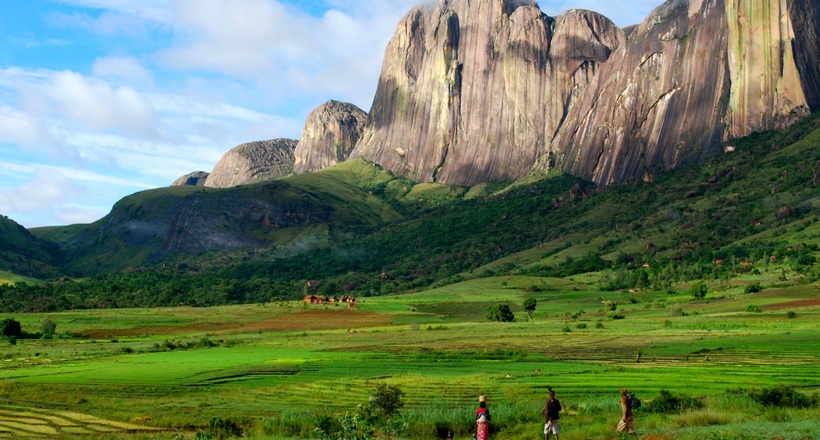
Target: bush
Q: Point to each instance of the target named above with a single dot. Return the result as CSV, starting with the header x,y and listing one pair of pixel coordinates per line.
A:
x,y
220,428
783,397
500,313
48,328
668,403
753,309
11,328
614,315
698,290
753,288
529,305
791,315
386,400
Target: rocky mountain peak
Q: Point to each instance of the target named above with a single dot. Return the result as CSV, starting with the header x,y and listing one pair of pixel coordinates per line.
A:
x,y
330,133
197,178
253,162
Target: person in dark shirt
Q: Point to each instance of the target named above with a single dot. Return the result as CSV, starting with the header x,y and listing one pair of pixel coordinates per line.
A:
x,y
551,409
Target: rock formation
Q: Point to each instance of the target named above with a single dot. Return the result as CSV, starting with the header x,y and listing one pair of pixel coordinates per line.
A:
x,y
478,91
472,91
331,131
253,162
197,178
693,75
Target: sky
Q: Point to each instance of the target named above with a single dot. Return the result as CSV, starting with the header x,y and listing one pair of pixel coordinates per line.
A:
x,y
100,99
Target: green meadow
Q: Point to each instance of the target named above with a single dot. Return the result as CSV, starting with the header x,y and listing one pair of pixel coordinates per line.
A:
x,y
281,369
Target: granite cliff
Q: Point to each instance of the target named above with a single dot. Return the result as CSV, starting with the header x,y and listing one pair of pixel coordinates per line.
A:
x,y
331,131
472,91
694,75
479,91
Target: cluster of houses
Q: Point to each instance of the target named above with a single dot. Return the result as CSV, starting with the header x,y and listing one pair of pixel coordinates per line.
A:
x,y
321,299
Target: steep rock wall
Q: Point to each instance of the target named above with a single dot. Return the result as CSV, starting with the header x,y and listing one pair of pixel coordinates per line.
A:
x,y
471,91
692,75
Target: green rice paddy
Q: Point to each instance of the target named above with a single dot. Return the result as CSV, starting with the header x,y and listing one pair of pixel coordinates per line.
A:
x,y
279,367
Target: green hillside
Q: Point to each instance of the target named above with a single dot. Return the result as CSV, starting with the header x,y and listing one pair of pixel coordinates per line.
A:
x,y
24,255
370,233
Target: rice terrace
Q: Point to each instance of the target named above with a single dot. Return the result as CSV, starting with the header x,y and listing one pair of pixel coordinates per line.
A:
x,y
532,204
284,369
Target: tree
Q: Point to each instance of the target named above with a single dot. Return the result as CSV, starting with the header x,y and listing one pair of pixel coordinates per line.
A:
x,y
698,290
500,313
387,400
11,328
529,306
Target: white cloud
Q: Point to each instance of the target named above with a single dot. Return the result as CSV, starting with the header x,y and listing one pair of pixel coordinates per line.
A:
x,y
122,68
20,128
46,188
128,17
88,102
287,52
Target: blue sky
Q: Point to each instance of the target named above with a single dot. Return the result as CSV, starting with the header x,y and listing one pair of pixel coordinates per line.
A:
x,y
100,99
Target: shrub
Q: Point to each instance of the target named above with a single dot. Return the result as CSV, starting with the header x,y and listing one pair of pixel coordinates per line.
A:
x,y
386,400
500,313
668,403
48,328
529,305
791,315
753,288
753,309
581,325
11,328
614,315
782,396
220,428
599,325
698,290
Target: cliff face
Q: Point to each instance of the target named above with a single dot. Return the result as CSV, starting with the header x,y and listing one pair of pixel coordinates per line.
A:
x,y
478,91
253,162
331,131
694,74
471,91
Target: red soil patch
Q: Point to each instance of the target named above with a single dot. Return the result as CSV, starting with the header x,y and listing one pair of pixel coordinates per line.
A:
x,y
301,321
318,320
794,304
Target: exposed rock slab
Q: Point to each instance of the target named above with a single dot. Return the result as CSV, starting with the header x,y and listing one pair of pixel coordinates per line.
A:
x,y
253,162
197,178
330,133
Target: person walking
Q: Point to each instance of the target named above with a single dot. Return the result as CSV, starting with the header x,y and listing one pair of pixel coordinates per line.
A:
x,y
551,409
627,421
482,419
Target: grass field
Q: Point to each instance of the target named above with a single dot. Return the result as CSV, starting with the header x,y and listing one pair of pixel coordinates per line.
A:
x,y
279,369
